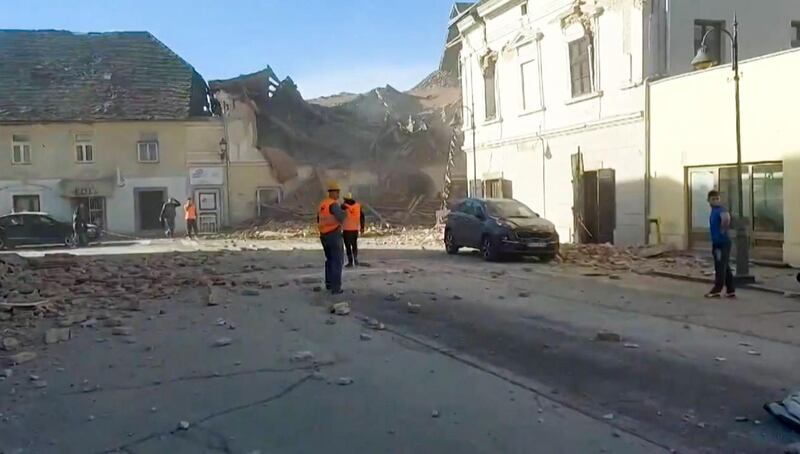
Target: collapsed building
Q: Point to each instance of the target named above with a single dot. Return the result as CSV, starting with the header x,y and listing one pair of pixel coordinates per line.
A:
x,y
391,149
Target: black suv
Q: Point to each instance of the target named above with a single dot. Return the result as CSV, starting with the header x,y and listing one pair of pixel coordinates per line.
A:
x,y
500,227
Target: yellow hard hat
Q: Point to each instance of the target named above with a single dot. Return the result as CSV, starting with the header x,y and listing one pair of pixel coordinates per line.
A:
x,y
349,196
333,186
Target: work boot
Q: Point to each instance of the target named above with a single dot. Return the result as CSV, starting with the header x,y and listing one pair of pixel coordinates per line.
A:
x,y
357,264
349,265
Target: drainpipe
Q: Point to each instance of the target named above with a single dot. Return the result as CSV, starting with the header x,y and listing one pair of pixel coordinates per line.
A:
x,y
647,182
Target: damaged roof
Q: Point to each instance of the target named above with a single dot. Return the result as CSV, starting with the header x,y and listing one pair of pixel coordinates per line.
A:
x,y
254,85
52,75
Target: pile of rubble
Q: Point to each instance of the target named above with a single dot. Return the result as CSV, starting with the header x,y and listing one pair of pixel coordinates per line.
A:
x,y
640,259
409,237
382,235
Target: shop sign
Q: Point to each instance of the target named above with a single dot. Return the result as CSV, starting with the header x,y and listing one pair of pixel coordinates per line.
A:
x,y
211,176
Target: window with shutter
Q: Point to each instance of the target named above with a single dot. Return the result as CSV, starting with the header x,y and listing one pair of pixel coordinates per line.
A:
x,y
580,62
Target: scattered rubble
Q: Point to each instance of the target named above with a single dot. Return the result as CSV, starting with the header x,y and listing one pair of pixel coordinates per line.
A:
x,y
10,344
375,324
786,411
302,356
345,381
606,259
122,331
56,335
604,336
340,309
223,342
21,358
413,308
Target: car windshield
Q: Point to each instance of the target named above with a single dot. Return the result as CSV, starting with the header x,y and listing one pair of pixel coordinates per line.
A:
x,y
510,209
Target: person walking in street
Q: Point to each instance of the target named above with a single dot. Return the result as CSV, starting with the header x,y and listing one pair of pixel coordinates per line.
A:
x,y
79,228
720,225
352,226
330,217
191,217
167,216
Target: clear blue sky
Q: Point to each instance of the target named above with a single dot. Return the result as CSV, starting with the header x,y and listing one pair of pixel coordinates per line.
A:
x,y
326,46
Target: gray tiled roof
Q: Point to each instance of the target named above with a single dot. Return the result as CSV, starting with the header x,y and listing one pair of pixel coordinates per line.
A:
x,y
49,75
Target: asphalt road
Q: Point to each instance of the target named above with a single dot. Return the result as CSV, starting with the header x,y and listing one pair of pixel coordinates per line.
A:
x,y
499,358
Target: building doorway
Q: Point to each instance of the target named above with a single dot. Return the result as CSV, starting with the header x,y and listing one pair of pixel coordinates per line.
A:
x,y
209,209
148,208
95,209
599,206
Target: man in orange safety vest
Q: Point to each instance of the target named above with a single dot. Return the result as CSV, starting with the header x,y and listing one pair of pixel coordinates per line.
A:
x,y
330,217
352,226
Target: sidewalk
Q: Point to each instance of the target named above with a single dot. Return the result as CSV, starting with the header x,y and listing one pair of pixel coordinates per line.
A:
x,y
782,281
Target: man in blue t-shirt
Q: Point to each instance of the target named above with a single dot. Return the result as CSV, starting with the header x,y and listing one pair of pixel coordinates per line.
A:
x,y
720,224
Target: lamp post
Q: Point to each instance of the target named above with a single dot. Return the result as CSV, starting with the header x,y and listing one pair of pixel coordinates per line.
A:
x,y
224,156
703,60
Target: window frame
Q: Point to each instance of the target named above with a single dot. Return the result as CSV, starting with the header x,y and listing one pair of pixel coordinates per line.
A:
x,y
490,70
795,42
24,146
583,61
705,24
523,9
533,63
15,197
148,143
259,200
84,148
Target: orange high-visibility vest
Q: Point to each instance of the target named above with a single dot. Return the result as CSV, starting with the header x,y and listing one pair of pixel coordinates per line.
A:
x,y
352,223
327,221
191,211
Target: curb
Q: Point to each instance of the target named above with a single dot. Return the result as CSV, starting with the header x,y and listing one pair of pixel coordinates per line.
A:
x,y
681,277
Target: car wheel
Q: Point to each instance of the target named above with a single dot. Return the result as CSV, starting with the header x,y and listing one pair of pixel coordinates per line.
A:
x,y
70,241
449,244
489,249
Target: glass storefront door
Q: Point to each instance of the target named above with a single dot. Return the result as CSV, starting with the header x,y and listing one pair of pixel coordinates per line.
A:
x,y
762,188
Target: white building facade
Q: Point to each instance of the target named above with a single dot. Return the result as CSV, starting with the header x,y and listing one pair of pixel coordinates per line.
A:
x,y
559,94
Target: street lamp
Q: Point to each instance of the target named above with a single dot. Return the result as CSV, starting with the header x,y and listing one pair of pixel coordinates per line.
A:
x,y
704,60
223,149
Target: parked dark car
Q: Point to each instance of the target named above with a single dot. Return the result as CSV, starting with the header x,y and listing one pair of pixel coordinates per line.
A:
x,y
498,228
38,228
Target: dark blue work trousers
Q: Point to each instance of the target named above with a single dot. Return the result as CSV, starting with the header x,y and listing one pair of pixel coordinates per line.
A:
x,y
333,245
